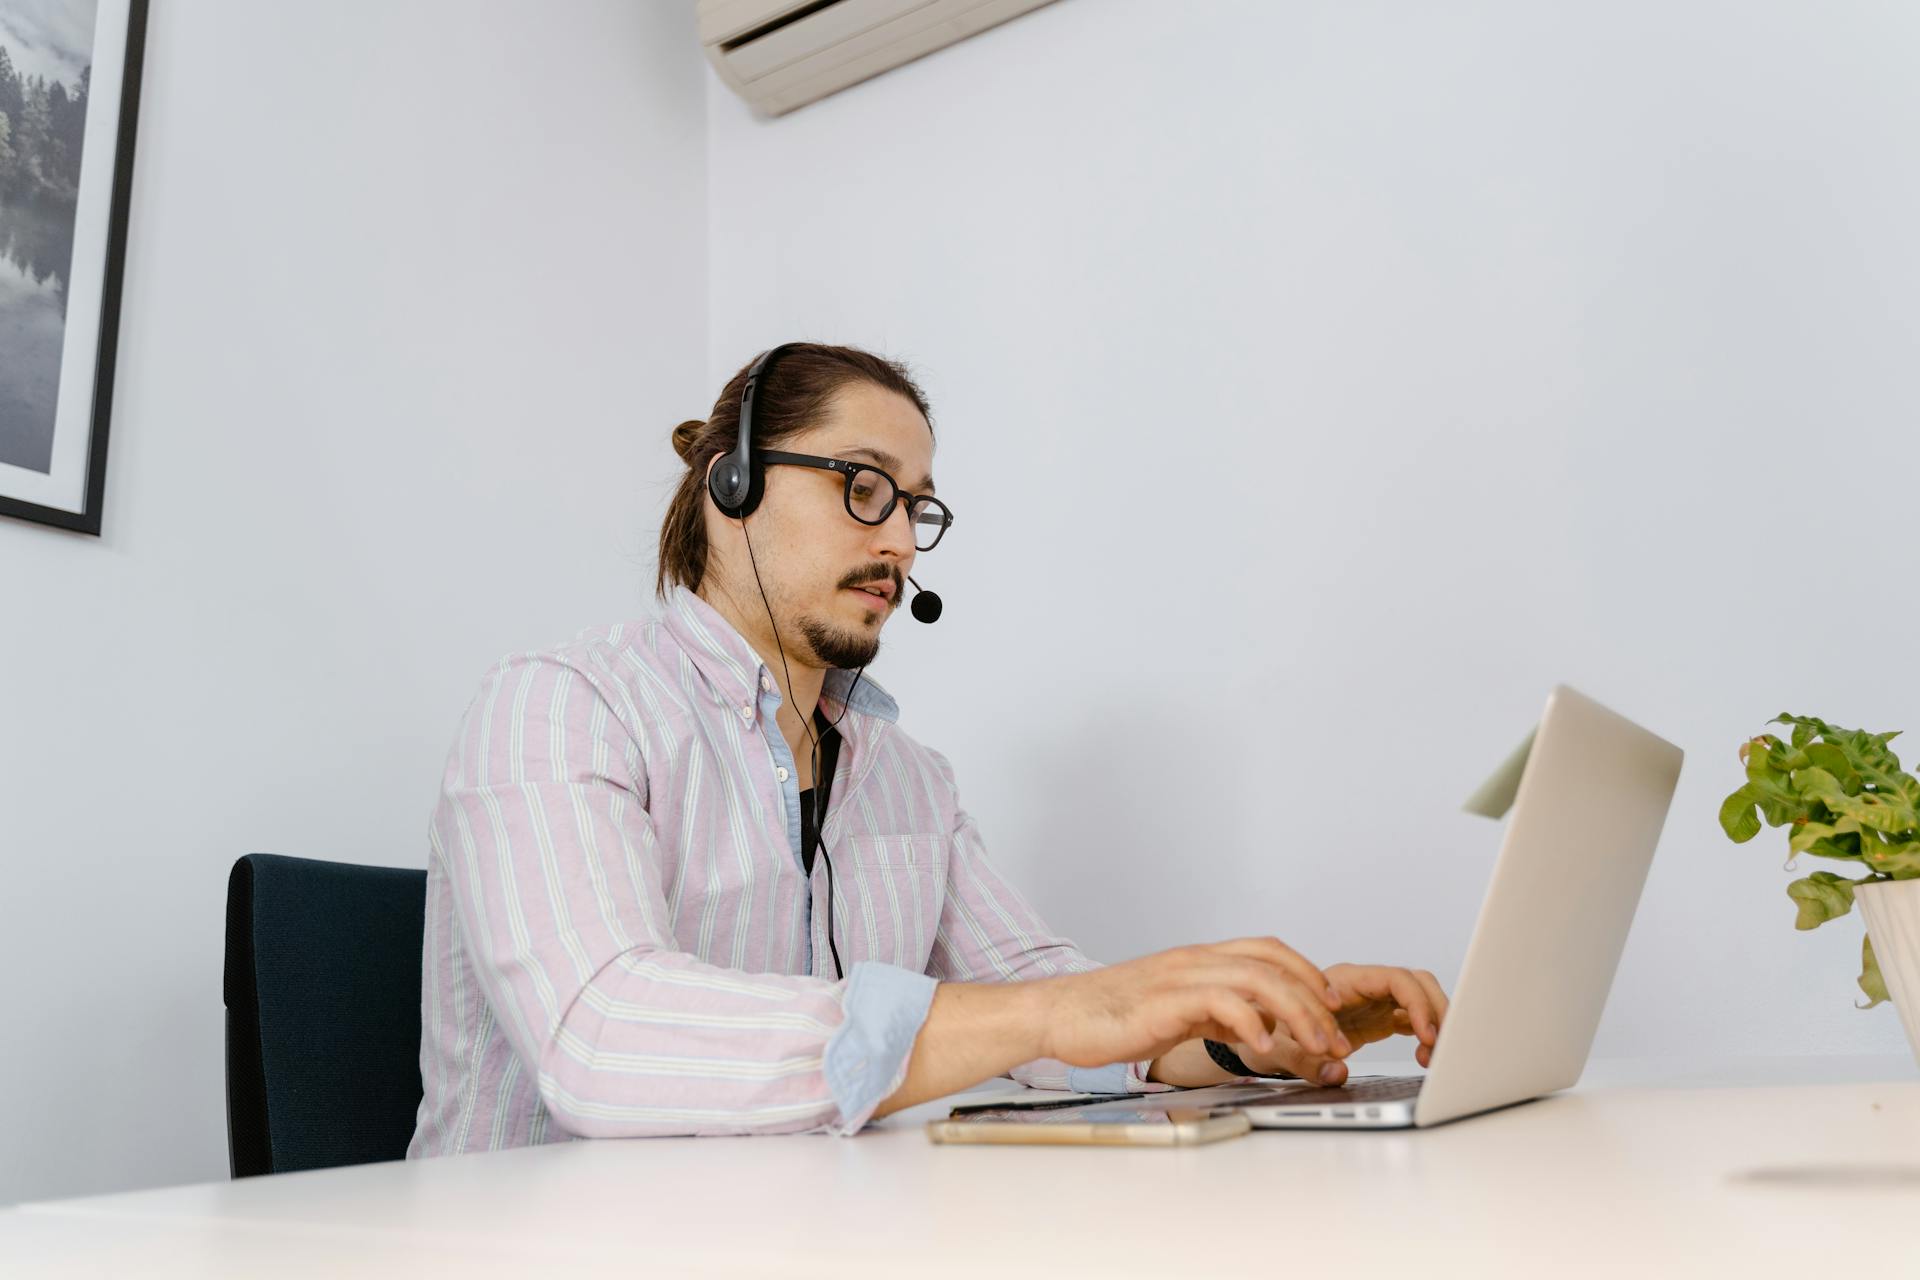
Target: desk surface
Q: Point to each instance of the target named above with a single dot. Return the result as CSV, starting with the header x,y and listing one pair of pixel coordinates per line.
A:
x,y
1704,1168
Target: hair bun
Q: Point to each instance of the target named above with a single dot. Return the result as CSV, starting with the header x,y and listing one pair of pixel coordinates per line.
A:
x,y
684,437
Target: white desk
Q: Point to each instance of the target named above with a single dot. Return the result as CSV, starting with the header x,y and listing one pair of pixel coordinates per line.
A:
x,y
1615,1178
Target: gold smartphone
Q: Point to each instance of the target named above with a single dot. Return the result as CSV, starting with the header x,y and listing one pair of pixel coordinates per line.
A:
x,y
1107,1125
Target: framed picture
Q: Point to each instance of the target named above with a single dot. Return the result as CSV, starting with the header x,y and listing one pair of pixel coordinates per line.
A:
x,y
69,94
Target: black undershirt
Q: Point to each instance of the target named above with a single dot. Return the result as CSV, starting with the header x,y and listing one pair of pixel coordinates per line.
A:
x,y
830,751
806,828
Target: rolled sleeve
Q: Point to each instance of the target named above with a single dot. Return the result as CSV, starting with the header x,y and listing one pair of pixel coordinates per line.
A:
x,y
1107,1079
866,1058
1118,1077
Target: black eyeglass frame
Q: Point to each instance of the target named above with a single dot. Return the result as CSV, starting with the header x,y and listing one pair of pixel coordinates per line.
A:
x,y
779,458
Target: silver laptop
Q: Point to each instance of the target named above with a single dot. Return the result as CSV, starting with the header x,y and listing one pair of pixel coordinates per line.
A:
x,y
1589,792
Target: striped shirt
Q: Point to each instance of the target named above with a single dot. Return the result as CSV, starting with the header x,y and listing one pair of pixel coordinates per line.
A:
x,y
620,939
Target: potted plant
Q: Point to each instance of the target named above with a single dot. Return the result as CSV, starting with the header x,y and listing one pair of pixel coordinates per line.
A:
x,y
1845,796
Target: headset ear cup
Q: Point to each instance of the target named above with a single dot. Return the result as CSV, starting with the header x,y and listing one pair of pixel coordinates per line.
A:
x,y
756,488
717,484
717,487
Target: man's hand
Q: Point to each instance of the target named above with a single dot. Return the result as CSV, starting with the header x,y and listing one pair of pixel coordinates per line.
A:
x,y
1128,1012
1375,1001
1279,1011
1241,990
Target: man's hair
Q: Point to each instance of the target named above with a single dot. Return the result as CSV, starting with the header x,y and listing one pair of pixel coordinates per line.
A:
x,y
794,396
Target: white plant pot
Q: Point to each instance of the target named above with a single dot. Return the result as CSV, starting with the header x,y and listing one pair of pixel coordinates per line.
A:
x,y
1892,911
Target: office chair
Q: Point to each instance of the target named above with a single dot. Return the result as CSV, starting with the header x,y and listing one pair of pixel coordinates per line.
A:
x,y
322,990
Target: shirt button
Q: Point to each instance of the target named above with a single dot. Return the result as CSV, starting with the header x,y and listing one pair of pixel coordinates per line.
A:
x,y
782,772
746,711
766,682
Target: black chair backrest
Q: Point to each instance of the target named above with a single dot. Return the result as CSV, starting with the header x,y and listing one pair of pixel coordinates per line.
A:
x,y
323,1012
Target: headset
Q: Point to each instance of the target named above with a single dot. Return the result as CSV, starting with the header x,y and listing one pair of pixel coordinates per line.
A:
x,y
736,483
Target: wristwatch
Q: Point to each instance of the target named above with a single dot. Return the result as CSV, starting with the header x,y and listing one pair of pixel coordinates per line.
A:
x,y
1230,1061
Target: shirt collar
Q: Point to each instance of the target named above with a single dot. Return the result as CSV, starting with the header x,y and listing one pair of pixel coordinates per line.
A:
x,y
734,667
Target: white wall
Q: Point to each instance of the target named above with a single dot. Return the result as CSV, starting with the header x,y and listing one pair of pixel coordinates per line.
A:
x,y
414,294
1317,384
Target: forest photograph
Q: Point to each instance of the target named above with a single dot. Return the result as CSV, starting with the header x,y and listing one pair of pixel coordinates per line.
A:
x,y
45,82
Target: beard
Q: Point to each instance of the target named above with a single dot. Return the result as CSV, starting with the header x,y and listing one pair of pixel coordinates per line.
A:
x,y
839,647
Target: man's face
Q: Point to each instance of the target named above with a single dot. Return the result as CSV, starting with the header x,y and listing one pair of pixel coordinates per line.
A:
x,y
813,557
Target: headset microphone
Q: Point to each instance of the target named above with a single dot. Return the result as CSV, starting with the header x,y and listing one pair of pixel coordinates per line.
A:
x,y
926,605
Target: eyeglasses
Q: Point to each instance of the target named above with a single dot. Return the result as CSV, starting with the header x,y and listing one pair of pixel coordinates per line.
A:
x,y
871,494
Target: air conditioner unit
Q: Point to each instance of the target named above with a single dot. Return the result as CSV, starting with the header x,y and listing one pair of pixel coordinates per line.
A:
x,y
782,54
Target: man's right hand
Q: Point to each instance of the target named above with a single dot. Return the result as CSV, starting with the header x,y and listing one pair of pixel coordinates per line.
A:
x,y
1232,991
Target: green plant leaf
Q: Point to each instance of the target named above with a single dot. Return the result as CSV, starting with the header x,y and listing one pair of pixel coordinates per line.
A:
x,y
1897,858
1827,840
1817,784
1737,816
1822,896
1812,723
1870,980
1759,755
1782,795
1877,765
1779,806
1786,759
1870,809
1834,760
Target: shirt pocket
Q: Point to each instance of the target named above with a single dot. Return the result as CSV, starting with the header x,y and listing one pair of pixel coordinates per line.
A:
x,y
892,897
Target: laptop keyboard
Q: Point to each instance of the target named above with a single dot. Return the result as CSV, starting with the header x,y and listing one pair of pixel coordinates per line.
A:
x,y
1363,1089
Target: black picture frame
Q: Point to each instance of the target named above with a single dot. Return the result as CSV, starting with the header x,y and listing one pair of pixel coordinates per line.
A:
x,y
88,519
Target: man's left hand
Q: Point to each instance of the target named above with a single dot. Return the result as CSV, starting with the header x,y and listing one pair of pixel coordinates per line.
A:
x,y
1376,1001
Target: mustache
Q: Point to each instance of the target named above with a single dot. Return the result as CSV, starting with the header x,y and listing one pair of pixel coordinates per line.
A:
x,y
876,576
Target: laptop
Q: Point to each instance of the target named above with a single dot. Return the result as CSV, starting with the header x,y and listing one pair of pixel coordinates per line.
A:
x,y
1589,792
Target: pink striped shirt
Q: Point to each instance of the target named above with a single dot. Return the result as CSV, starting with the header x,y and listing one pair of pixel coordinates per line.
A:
x,y
620,939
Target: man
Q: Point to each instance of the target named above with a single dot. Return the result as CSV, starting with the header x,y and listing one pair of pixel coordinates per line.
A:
x,y
628,931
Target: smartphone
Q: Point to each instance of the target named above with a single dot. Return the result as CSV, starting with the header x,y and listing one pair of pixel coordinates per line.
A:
x,y
1103,1126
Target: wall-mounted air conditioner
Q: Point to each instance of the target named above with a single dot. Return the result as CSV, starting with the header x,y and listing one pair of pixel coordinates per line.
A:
x,y
782,54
